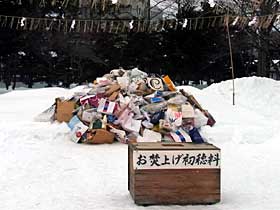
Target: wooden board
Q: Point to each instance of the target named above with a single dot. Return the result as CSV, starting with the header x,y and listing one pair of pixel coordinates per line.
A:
x,y
172,146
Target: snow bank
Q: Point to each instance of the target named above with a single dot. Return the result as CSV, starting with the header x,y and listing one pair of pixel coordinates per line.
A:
x,y
254,118
256,93
23,105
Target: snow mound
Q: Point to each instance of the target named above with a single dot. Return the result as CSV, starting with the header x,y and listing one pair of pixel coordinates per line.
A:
x,y
24,105
254,118
256,93
190,89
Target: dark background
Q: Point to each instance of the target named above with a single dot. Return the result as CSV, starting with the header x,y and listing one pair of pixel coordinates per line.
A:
x,y
185,55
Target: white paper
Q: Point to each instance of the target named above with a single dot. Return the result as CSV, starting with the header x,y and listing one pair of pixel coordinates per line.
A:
x,y
132,125
123,82
151,136
174,118
87,116
200,119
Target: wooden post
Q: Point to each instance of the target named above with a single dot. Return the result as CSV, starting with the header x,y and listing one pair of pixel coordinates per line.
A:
x,y
231,60
149,10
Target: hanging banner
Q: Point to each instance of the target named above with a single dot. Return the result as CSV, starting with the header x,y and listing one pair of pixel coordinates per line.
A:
x,y
136,26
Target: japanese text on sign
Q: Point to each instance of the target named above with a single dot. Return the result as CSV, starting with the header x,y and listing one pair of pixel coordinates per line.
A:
x,y
179,159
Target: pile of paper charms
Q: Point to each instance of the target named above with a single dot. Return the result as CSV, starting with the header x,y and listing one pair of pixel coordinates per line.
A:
x,y
128,105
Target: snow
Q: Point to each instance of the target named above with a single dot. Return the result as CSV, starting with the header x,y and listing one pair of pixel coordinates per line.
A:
x,y
212,3
53,54
185,23
22,53
52,14
253,22
42,169
22,21
73,24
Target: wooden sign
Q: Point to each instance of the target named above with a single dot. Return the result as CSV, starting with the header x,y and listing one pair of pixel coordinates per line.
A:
x,y
174,173
179,159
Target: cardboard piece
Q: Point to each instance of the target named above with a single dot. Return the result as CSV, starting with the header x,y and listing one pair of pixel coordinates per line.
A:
x,y
77,129
64,110
113,96
188,116
99,136
187,111
112,88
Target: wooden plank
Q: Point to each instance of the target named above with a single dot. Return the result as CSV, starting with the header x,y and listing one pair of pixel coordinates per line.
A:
x,y
131,172
172,146
152,187
183,180
170,199
175,192
155,172
183,197
205,185
129,151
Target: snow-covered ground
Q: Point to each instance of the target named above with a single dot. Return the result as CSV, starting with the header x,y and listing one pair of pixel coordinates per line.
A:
x,y
41,169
